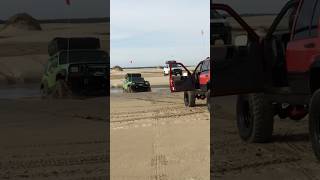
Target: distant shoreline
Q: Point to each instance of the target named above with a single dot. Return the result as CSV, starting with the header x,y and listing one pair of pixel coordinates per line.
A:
x,y
146,67
72,21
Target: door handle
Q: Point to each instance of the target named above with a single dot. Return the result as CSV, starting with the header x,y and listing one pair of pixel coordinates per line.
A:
x,y
310,45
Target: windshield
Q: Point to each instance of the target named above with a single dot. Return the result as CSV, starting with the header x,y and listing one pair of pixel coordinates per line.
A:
x,y
136,79
82,56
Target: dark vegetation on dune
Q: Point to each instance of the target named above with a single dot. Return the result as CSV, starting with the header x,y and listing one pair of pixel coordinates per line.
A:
x,y
117,68
23,21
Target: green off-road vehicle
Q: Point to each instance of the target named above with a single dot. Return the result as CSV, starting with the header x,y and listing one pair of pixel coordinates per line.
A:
x,y
75,66
135,83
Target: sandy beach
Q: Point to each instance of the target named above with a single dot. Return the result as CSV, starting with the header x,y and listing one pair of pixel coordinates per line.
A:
x,y
288,156
154,136
48,138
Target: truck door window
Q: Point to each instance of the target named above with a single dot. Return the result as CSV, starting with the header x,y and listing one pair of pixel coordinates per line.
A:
x,y
220,28
302,29
285,24
226,31
204,66
315,20
198,69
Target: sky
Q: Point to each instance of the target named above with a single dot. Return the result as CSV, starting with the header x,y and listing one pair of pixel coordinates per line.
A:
x,y
150,32
53,9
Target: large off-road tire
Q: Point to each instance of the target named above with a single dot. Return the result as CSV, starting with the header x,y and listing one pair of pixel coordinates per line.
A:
x,y
208,101
61,89
314,123
44,90
130,89
255,118
189,99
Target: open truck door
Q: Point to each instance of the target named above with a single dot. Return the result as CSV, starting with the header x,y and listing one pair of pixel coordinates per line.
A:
x,y
237,66
183,82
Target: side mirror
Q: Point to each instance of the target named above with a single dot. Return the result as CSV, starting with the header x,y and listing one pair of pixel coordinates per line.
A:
x,y
241,40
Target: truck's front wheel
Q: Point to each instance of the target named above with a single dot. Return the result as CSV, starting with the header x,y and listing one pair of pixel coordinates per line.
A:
x,y
189,99
254,118
61,89
314,123
44,90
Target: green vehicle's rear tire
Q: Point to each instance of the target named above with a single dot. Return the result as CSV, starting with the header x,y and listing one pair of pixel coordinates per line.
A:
x,y
131,90
44,91
61,89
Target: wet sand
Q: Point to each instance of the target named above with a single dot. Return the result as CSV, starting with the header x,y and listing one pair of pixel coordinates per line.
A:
x,y
154,136
53,139
289,155
48,139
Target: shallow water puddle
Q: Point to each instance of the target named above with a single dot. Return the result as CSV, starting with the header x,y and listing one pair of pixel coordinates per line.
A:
x,y
154,89
22,91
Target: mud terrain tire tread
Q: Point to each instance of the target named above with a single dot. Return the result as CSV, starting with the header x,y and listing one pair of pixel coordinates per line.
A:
x,y
314,123
62,90
208,101
44,91
189,99
262,118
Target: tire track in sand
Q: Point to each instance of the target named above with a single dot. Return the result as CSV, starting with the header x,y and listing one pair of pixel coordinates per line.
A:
x,y
158,161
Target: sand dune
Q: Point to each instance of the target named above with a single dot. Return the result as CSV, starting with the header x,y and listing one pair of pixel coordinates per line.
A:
x,y
23,53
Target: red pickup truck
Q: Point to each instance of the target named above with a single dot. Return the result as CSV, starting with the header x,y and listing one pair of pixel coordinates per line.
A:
x,y
273,75
195,85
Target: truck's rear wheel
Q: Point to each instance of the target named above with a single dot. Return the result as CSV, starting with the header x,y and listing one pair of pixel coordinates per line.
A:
x,y
314,123
189,99
254,118
44,90
208,100
129,89
61,89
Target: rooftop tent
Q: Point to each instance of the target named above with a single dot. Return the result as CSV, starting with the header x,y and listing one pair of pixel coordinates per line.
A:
x,y
133,75
59,44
